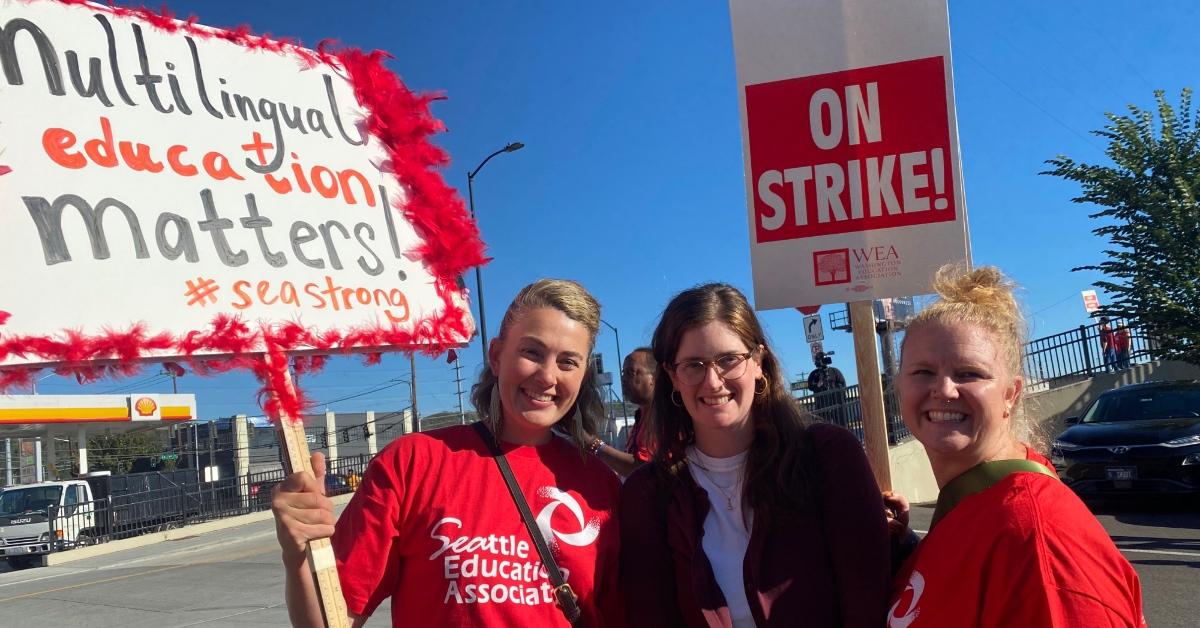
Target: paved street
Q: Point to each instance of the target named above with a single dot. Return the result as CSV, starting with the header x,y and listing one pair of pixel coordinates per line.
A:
x,y
232,577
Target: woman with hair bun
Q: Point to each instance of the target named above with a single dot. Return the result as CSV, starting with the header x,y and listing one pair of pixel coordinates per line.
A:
x,y
747,516
1009,545
433,525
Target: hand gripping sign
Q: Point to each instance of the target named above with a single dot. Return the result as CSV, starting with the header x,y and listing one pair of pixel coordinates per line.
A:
x,y
170,191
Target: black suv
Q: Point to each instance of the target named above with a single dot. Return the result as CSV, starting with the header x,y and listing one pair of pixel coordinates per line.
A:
x,y
1143,438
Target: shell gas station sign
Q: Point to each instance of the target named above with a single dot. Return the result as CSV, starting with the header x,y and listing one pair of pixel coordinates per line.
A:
x,y
111,410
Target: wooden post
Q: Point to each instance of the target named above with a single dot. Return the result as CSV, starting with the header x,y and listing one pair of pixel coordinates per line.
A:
x,y
320,552
870,391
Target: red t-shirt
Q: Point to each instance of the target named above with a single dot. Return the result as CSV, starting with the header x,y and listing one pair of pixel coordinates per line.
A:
x,y
1025,552
433,526
635,442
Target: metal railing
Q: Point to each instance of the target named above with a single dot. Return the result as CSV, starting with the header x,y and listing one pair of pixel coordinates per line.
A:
x,y
174,505
843,407
1078,354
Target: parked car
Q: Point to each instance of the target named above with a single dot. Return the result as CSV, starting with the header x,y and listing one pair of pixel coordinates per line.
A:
x,y
335,484
1143,438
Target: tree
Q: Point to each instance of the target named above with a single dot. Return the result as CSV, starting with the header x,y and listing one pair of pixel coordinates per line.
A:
x,y
1150,216
118,452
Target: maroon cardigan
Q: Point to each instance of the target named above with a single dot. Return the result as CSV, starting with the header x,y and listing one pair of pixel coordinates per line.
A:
x,y
828,566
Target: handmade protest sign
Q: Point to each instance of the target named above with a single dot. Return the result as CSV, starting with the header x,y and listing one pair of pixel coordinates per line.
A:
x,y
176,190
852,172
173,191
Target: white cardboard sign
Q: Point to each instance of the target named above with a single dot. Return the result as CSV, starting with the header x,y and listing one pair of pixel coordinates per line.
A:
x,y
851,148
166,178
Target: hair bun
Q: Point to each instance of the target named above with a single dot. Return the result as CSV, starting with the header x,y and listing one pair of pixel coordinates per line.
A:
x,y
985,287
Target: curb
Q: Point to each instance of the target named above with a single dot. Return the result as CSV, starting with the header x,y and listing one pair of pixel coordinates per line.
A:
x,y
154,538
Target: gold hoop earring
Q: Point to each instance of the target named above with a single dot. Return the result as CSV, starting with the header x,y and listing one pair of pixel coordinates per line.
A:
x,y
765,385
677,404
495,417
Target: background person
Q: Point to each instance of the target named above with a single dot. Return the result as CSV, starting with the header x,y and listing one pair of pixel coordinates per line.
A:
x,y
828,386
637,384
1121,344
1009,545
1108,345
747,516
433,525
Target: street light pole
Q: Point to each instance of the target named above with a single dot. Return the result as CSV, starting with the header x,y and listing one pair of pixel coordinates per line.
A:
x,y
620,365
483,339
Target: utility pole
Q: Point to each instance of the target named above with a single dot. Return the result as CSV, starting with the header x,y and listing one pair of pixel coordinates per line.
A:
x,y
462,416
412,379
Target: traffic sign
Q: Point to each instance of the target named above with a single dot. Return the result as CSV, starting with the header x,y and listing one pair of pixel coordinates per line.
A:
x,y
813,332
169,457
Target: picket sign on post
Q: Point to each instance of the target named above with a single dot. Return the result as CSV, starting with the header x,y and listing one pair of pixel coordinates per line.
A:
x,y
852,173
175,192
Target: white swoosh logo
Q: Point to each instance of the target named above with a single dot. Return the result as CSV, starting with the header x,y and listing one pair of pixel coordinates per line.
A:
x,y
916,584
588,531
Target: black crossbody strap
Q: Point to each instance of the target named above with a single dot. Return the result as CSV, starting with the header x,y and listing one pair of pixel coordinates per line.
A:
x,y
563,594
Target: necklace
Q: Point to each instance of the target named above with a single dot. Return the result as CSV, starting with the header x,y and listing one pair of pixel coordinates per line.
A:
x,y
724,493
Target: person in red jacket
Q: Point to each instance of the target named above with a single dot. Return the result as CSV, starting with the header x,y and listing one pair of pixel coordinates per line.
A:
x,y
1009,545
747,516
432,524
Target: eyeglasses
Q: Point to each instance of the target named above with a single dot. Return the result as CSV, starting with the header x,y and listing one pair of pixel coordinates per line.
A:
x,y
636,373
728,366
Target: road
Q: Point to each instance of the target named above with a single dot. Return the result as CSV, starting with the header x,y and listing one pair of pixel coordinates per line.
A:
x,y
233,577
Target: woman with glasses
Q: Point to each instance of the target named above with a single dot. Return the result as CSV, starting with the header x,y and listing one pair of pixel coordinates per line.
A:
x,y
748,516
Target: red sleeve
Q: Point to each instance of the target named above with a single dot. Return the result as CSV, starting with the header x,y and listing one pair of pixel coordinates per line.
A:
x,y
368,558
647,569
851,507
1056,566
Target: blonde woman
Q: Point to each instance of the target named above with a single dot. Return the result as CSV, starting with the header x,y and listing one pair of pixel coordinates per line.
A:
x,y
433,526
1010,545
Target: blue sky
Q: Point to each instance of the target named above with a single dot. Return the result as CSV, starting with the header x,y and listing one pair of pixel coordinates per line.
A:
x,y
631,179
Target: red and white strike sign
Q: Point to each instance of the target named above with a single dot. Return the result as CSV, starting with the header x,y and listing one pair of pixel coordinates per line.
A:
x,y
853,181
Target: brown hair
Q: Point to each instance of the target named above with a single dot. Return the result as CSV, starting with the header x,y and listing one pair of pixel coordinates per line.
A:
x,y
777,473
574,301
982,297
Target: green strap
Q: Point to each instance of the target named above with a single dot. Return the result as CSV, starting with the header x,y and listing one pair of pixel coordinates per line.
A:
x,y
978,479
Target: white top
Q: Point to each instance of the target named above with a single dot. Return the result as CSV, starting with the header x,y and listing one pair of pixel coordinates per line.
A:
x,y
726,532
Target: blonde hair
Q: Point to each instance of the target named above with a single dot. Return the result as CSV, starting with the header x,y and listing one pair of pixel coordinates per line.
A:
x,y
982,297
574,301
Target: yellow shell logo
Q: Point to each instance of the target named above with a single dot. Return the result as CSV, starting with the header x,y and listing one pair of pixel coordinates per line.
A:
x,y
145,406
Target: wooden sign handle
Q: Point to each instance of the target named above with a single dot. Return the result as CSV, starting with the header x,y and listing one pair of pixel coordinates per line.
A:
x,y
870,391
319,551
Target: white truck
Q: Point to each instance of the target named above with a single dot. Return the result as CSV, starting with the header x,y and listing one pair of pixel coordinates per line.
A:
x,y
36,519
26,532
